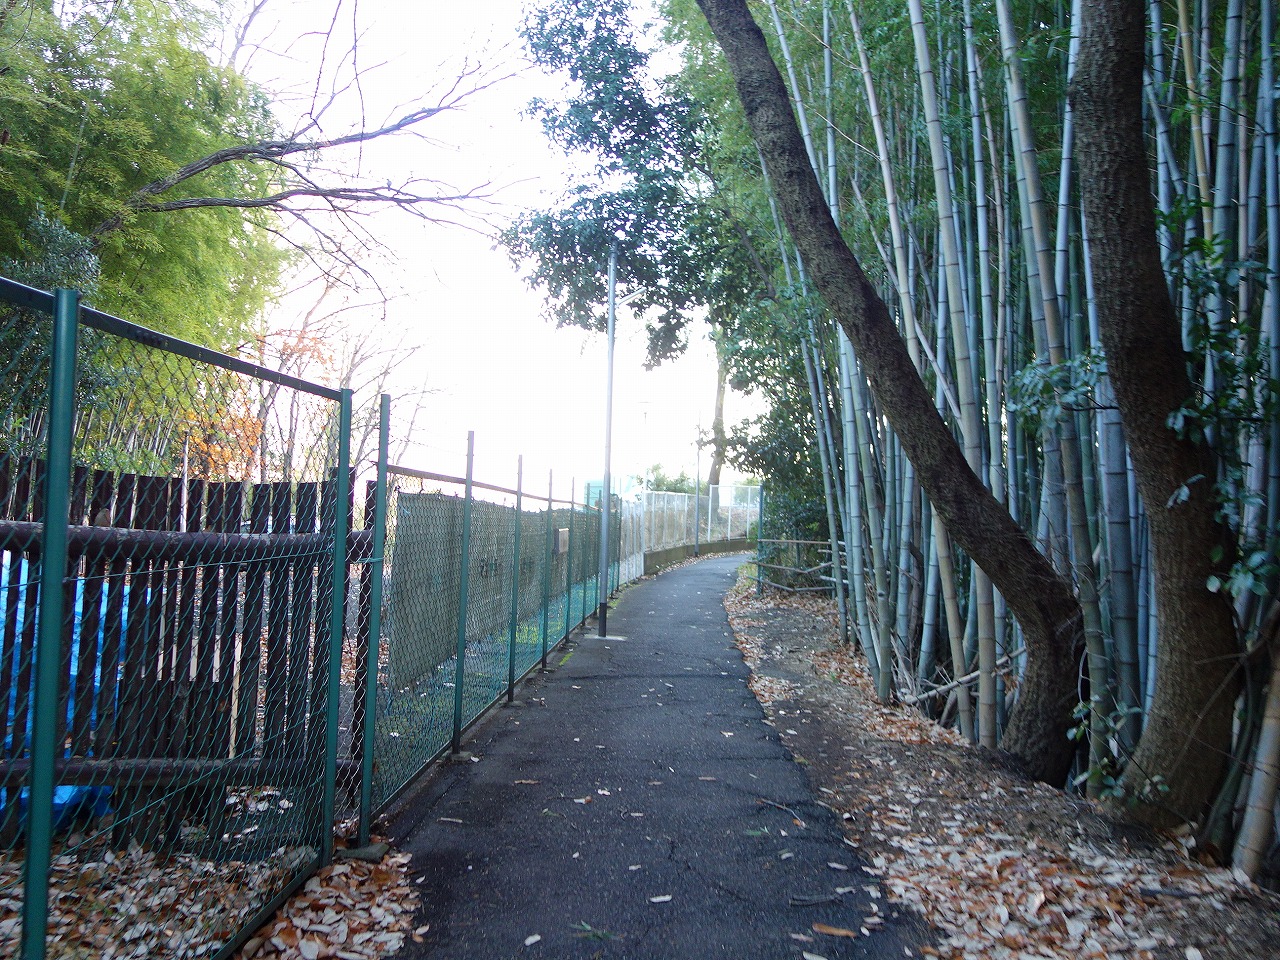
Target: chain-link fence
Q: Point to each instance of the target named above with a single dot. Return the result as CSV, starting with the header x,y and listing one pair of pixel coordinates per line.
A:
x,y
723,512
480,583
189,699
628,524
174,533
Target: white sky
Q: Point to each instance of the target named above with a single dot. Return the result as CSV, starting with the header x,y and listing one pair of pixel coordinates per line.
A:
x,y
501,370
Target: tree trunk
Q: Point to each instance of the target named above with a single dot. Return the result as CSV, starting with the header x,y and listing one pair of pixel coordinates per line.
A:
x,y
1182,755
1041,599
719,440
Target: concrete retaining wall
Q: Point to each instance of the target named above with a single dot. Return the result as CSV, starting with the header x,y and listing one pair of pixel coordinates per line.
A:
x,y
653,562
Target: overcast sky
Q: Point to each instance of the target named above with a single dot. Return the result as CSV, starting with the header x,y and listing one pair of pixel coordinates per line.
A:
x,y
499,368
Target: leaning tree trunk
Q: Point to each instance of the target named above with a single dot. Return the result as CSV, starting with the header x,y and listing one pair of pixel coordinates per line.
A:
x,y
719,439
1181,757
1040,598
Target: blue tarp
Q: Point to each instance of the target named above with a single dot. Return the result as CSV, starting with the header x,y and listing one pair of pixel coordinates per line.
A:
x,y
68,801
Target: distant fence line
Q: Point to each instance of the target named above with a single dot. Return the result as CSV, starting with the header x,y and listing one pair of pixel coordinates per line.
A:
x,y
724,512
190,588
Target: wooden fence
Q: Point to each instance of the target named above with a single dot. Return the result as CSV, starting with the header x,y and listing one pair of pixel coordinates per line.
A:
x,y
194,642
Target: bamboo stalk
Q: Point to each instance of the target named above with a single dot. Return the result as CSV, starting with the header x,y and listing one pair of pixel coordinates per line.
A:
x,y
1257,827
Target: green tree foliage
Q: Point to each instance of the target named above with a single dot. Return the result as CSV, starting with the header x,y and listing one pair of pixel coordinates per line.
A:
x,y
674,191
680,250
96,106
657,478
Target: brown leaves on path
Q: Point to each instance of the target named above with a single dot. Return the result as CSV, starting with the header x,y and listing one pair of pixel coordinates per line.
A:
x,y
1002,867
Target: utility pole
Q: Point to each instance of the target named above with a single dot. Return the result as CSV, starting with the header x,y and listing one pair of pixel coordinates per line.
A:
x,y
606,493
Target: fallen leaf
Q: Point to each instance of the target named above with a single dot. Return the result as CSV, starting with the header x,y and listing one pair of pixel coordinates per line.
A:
x,y
831,931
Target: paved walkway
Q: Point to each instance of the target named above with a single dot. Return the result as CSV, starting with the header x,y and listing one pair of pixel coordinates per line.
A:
x,y
637,806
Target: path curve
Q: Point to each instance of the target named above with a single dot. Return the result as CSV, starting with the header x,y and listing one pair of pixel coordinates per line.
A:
x,y
637,805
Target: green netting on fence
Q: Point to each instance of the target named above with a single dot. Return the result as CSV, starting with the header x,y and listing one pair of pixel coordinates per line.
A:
x,y
189,698
168,694
529,578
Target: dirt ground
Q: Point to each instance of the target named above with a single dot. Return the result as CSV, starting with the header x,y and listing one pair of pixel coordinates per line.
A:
x,y
1003,867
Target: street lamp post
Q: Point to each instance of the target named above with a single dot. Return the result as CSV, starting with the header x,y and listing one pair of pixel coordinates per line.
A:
x,y
602,579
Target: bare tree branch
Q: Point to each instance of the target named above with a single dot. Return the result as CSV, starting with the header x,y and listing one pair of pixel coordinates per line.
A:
x,y
335,195
343,197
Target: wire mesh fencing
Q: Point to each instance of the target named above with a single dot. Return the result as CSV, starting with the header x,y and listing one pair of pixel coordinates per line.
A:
x,y
724,512
627,545
480,583
174,531
190,694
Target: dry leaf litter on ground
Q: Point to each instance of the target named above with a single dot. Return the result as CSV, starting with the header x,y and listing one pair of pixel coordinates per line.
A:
x,y
1001,866
135,904
350,910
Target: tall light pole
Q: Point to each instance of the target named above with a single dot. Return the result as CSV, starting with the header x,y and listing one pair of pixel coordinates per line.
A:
x,y
602,577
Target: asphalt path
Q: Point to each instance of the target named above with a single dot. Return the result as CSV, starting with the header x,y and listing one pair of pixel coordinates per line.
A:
x,y
635,804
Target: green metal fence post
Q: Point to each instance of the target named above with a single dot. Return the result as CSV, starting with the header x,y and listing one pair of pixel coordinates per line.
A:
x,y
459,673
697,504
337,618
586,546
515,585
568,589
759,542
376,567
53,568
546,567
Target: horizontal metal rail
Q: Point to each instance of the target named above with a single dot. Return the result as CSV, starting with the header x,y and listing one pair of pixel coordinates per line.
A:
x,y
134,772
201,546
21,295
480,485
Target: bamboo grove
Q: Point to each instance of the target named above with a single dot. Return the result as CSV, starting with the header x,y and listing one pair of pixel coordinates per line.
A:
x,y
944,141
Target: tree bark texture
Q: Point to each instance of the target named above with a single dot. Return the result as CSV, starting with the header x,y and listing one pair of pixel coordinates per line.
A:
x,y
1182,755
1041,599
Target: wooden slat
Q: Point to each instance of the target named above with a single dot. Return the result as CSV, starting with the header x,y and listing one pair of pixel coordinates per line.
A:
x,y
144,643
9,623
172,637
224,514
255,595
209,662
187,663
87,663
9,654
29,473
277,660
324,604
117,569
364,643
301,611
78,506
